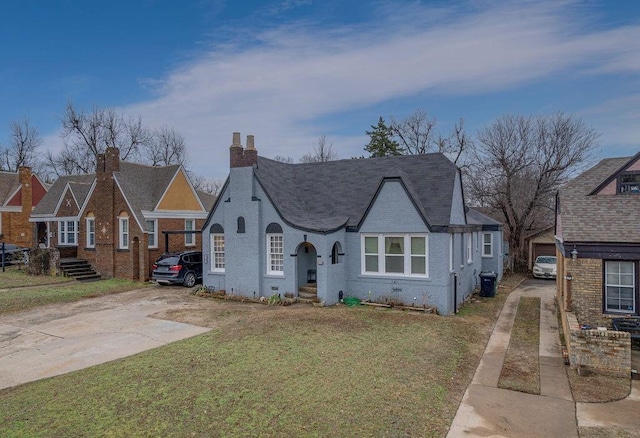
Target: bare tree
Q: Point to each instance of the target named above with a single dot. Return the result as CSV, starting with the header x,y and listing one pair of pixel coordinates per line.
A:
x,y
283,159
22,149
166,147
417,135
322,151
87,134
211,186
520,162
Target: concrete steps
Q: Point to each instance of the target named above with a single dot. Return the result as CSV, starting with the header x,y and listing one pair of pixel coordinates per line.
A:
x,y
308,293
81,270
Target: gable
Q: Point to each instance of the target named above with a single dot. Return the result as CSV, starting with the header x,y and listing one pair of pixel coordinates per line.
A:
x,y
16,199
38,190
612,184
180,195
68,206
457,203
393,210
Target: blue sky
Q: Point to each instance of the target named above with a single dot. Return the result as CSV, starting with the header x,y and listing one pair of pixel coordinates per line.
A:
x,y
289,71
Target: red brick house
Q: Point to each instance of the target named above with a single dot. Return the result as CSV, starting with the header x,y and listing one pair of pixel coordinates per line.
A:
x,y
114,219
20,192
597,236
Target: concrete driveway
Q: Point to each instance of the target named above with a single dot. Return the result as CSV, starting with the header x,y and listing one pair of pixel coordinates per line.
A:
x,y
60,338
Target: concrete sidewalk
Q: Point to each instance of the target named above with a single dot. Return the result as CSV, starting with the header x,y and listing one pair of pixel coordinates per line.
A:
x,y
487,410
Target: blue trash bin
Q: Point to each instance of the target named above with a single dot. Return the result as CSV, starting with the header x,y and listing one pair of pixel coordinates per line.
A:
x,y
488,284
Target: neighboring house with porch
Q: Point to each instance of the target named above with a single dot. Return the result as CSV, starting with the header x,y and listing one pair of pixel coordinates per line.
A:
x,y
597,234
392,228
20,192
115,218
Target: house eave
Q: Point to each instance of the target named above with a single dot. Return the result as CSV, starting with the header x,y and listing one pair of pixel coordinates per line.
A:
x,y
600,250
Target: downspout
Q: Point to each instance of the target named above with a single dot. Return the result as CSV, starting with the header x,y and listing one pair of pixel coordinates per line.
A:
x,y
455,293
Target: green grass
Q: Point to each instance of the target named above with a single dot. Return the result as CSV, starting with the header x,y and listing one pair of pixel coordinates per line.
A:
x,y
24,298
287,372
14,277
521,368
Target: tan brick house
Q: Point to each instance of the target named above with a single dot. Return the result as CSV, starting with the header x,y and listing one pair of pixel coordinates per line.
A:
x,y
597,234
115,218
20,192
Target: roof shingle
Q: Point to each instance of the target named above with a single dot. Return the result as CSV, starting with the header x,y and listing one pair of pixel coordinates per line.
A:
x,y
599,218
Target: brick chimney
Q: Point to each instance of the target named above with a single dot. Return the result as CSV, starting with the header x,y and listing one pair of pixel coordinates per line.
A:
x,y
108,162
240,157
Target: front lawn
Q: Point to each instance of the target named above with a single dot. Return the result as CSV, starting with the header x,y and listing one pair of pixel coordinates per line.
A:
x,y
14,277
293,371
24,298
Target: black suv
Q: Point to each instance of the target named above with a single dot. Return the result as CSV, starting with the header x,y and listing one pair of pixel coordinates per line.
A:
x,y
178,268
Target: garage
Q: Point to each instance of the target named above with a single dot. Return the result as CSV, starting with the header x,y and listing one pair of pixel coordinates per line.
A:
x,y
541,243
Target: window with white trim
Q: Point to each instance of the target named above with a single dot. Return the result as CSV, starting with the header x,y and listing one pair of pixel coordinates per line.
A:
x,y
152,233
470,248
190,238
487,245
275,254
217,252
67,233
620,287
91,232
123,232
394,254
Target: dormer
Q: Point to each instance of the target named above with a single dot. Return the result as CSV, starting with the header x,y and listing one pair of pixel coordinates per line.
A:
x,y
624,181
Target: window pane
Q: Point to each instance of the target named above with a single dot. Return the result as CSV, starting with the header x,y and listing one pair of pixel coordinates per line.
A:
x,y
371,245
371,263
418,265
418,245
394,245
626,280
626,267
394,264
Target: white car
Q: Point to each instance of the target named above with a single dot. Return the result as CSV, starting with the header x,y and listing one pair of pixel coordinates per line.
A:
x,y
545,267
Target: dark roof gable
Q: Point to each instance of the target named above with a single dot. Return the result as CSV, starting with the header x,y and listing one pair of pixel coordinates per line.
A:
x,y
327,196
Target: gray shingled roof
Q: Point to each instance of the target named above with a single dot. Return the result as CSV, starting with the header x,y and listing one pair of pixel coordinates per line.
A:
x,y
207,199
9,182
599,218
326,196
79,184
475,216
142,186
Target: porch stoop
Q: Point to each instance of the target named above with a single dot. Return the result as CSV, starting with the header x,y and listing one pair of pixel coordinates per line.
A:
x,y
81,270
308,293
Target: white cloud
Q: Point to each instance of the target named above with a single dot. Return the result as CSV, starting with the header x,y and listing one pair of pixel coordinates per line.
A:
x,y
293,74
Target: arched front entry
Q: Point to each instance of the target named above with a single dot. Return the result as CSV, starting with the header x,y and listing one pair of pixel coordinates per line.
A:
x,y
306,269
